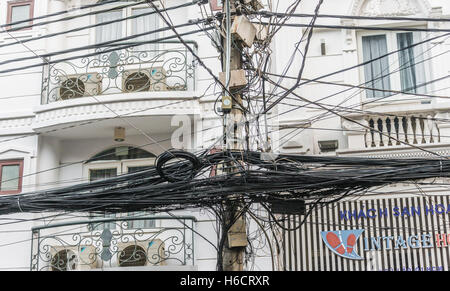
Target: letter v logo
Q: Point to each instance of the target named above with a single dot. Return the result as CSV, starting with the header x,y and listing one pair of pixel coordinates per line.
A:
x,y
343,242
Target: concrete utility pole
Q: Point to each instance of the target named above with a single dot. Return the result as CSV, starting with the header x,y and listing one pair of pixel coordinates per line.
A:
x,y
236,236
239,33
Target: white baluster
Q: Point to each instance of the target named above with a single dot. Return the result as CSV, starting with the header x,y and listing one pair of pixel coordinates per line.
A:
x,y
401,132
382,130
430,124
413,137
410,130
438,132
390,131
371,133
423,130
376,134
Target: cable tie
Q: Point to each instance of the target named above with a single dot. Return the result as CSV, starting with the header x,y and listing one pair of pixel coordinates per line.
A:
x,y
18,203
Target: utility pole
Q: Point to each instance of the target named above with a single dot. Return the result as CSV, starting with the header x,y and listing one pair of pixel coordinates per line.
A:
x,y
234,232
239,32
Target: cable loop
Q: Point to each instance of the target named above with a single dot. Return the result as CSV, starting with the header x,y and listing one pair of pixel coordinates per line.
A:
x,y
180,170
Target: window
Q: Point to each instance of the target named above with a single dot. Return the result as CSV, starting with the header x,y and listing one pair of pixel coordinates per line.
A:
x,y
117,161
144,24
122,153
403,71
11,173
411,74
137,224
110,31
147,22
376,72
19,11
99,174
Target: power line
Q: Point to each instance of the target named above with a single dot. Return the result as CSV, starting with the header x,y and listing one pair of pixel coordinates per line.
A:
x,y
101,103
93,25
355,17
381,73
120,42
355,27
394,92
363,125
375,99
199,60
356,66
116,47
100,119
59,13
71,17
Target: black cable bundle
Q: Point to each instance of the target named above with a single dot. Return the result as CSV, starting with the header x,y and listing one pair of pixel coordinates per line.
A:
x,y
182,180
183,171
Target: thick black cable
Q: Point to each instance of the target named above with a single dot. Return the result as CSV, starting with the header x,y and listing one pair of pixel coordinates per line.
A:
x,y
116,42
44,36
199,60
286,177
59,13
355,17
357,66
66,18
356,27
114,47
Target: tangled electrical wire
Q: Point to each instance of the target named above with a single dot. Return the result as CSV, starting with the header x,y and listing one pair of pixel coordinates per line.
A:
x,y
183,180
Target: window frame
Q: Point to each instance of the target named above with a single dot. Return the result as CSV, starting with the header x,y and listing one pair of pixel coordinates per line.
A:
x,y
391,60
12,4
20,178
122,168
128,24
394,63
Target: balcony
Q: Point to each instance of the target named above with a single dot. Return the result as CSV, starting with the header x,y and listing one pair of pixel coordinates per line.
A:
x,y
138,243
110,71
129,82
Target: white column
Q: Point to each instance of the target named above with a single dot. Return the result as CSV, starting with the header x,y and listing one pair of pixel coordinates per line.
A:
x,y
439,65
58,42
358,135
444,126
48,162
350,58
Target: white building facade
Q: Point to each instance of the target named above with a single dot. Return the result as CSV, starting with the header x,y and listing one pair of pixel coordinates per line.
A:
x,y
79,119
393,107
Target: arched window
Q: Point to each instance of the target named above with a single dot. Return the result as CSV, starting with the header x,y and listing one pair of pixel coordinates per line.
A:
x,y
122,153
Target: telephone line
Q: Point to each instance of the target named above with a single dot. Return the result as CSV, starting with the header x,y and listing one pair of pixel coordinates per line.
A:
x,y
357,66
354,17
44,36
60,13
67,18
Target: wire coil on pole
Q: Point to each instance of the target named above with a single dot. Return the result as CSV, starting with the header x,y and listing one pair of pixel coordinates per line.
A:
x,y
184,165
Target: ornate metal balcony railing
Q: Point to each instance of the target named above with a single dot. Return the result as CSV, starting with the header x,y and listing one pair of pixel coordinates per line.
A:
x,y
120,71
113,243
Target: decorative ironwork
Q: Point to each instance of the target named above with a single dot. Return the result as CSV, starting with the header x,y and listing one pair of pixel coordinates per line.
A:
x,y
121,71
111,243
